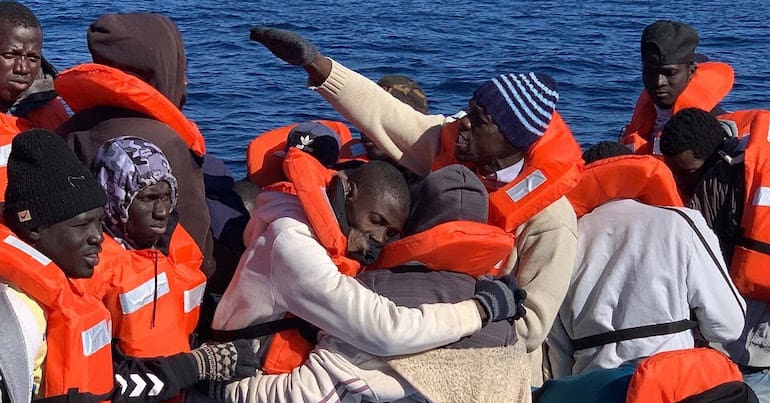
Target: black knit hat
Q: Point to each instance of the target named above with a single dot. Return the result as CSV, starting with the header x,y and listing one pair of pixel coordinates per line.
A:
x,y
668,42
47,183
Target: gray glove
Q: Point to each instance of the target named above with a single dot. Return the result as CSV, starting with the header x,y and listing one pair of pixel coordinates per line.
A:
x,y
500,298
225,361
286,45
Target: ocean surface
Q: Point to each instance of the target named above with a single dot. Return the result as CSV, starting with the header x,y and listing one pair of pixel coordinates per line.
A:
x,y
238,90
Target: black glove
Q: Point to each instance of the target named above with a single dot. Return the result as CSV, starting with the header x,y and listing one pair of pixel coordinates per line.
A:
x,y
286,45
500,298
225,361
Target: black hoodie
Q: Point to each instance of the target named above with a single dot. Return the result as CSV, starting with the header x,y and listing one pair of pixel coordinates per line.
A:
x,y
150,47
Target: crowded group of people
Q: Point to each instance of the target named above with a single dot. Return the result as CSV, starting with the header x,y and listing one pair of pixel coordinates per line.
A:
x,y
481,256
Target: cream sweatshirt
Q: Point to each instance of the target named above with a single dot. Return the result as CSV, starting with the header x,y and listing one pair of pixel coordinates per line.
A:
x,y
285,269
545,245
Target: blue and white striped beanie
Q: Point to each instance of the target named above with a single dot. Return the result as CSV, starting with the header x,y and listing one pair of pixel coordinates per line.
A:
x,y
521,105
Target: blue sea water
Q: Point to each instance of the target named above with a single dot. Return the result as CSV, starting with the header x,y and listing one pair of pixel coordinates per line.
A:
x,y
238,90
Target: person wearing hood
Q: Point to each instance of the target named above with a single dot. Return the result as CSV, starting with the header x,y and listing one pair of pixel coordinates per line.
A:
x,y
137,84
511,135
150,276
487,366
305,241
27,96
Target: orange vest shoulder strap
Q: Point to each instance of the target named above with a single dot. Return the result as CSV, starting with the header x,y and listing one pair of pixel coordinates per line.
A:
x,y
459,246
310,180
751,256
672,376
641,177
89,85
264,167
78,328
710,84
552,167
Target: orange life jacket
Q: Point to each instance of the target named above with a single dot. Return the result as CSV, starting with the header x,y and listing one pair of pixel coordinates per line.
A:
x,y
459,246
751,256
154,299
641,177
264,167
552,167
49,116
708,86
78,330
308,180
90,85
672,376
10,126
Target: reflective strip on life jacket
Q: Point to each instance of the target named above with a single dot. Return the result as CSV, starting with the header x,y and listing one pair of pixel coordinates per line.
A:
x,y
640,177
265,168
761,197
751,255
96,337
5,152
144,294
193,297
27,249
552,167
711,82
90,85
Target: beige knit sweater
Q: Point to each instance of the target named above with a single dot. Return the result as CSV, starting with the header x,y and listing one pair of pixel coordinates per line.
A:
x,y
546,244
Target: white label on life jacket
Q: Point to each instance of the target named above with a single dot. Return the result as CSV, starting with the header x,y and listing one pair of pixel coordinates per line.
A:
x,y
528,184
193,298
5,152
762,197
28,250
357,150
96,337
133,300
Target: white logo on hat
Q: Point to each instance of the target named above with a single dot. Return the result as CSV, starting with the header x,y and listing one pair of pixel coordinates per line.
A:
x,y
304,141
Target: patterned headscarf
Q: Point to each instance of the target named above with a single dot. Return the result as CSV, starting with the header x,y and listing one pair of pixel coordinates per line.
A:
x,y
125,166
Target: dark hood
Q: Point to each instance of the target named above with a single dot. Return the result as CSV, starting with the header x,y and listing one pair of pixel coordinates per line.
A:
x,y
452,193
146,45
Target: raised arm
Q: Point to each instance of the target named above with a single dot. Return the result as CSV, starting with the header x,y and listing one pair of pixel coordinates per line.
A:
x,y
406,135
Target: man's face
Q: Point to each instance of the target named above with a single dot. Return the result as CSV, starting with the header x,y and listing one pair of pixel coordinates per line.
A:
x,y
379,217
687,171
666,83
20,55
479,140
74,244
148,215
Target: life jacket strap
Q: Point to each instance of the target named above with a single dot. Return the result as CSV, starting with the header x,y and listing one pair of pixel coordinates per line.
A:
x,y
639,332
754,245
261,329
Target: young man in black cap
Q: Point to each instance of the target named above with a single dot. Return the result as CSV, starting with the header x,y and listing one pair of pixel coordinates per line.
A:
x,y
672,81
51,237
